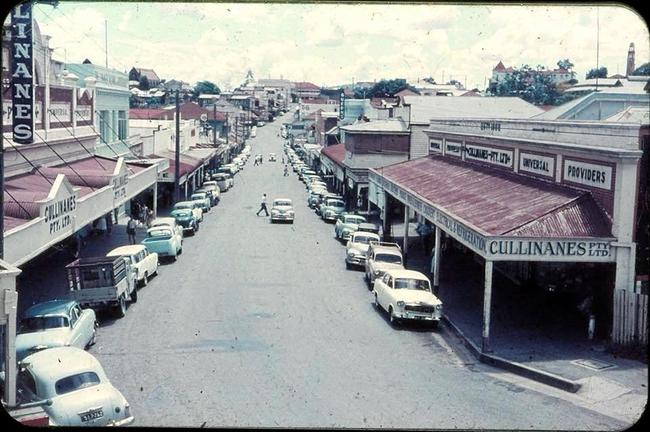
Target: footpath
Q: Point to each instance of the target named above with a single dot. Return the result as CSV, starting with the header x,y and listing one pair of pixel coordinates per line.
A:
x,y
527,343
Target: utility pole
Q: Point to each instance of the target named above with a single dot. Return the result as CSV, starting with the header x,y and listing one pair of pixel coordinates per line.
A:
x,y
106,40
214,126
177,162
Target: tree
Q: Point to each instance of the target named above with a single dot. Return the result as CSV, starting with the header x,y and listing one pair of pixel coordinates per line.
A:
x,y
144,83
644,70
206,87
601,72
529,84
383,88
565,64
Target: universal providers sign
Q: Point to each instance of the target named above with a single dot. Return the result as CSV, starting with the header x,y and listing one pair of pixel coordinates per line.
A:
x,y
22,87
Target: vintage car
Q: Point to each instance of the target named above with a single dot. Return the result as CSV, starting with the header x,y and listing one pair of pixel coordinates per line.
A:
x,y
191,205
305,172
381,257
260,123
322,198
186,219
212,187
55,323
230,168
224,181
102,283
282,210
406,294
331,208
356,249
312,178
316,183
314,196
272,157
346,224
171,223
163,241
75,386
368,227
203,200
143,262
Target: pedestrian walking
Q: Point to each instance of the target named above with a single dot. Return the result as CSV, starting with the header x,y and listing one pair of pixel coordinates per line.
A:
x,y
149,217
257,160
286,170
130,229
135,209
262,206
143,214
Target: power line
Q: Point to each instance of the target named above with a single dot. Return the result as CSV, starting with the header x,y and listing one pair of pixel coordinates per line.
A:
x,y
28,161
64,161
19,204
77,139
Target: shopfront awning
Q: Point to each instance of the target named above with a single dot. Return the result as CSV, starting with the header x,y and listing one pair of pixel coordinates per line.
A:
x,y
187,164
488,209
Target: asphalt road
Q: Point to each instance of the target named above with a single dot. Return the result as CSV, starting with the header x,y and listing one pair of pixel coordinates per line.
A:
x,y
260,325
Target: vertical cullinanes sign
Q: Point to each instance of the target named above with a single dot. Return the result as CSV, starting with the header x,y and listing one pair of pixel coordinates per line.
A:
x,y
342,105
22,87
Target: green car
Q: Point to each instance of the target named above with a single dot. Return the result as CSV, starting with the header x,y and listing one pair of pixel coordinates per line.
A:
x,y
186,219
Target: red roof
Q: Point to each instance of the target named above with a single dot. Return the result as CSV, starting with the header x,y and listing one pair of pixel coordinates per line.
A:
x,y
498,202
500,67
148,113
303,85
314,101
187,163
335,152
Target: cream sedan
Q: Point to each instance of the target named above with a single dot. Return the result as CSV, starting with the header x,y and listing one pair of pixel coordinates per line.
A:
x,y
75,386
406,295
356,250
282,210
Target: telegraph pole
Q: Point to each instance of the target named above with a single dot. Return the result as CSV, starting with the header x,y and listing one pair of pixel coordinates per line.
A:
x,y
177,162
214,126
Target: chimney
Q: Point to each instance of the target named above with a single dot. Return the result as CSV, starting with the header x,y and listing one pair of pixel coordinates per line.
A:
x,y
630,60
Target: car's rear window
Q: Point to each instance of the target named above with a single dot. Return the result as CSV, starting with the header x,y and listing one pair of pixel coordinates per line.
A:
x,y
76,382
388,258
40,323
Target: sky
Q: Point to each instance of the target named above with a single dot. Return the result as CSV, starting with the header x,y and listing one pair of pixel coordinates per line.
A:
x,y
332,44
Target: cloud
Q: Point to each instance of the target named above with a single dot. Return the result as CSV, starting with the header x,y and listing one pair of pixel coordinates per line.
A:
x,y
331,43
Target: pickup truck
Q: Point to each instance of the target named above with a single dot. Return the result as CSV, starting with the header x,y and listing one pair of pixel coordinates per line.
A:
x,y
103,283
382,256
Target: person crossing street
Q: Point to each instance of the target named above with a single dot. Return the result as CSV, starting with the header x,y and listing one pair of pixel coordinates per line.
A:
x,y
263,206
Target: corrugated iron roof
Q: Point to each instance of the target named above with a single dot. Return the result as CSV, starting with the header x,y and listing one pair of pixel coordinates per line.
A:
x,y
335,152
501,203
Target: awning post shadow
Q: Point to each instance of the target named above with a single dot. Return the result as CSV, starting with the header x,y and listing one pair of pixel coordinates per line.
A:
x,y
487,306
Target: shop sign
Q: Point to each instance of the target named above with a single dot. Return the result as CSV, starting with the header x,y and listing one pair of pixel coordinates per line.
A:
x,y
459,231
342,105
7,107
435,145
551,250
536,164
59,112
59,208
22,85
599,176
490,155
453,148
84,112
120,180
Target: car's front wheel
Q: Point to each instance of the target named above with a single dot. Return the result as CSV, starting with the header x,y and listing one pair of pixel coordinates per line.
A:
x,y
393,318
145,279
134,295
348,266
377,302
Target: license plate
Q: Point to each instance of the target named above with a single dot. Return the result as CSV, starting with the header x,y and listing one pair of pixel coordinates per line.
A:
x,y
92,415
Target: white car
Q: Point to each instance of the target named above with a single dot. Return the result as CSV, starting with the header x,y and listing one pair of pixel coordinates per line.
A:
x,y
224,181
172,224
55,323
282,210
145,264
406,294
203,200
76,387
356,250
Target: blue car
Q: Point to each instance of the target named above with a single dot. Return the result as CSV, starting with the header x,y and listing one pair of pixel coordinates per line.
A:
x,y
55,323
164,242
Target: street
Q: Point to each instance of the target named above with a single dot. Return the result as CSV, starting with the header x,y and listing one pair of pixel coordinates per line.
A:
x,y
260,325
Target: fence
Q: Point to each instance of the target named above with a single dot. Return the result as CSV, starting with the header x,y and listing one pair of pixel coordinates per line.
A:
x,y
630,324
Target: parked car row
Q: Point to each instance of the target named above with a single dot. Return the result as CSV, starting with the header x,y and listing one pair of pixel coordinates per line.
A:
x,y
404,294
53,368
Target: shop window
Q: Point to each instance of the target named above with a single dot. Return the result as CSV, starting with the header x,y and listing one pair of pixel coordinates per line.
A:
x,y
122,125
